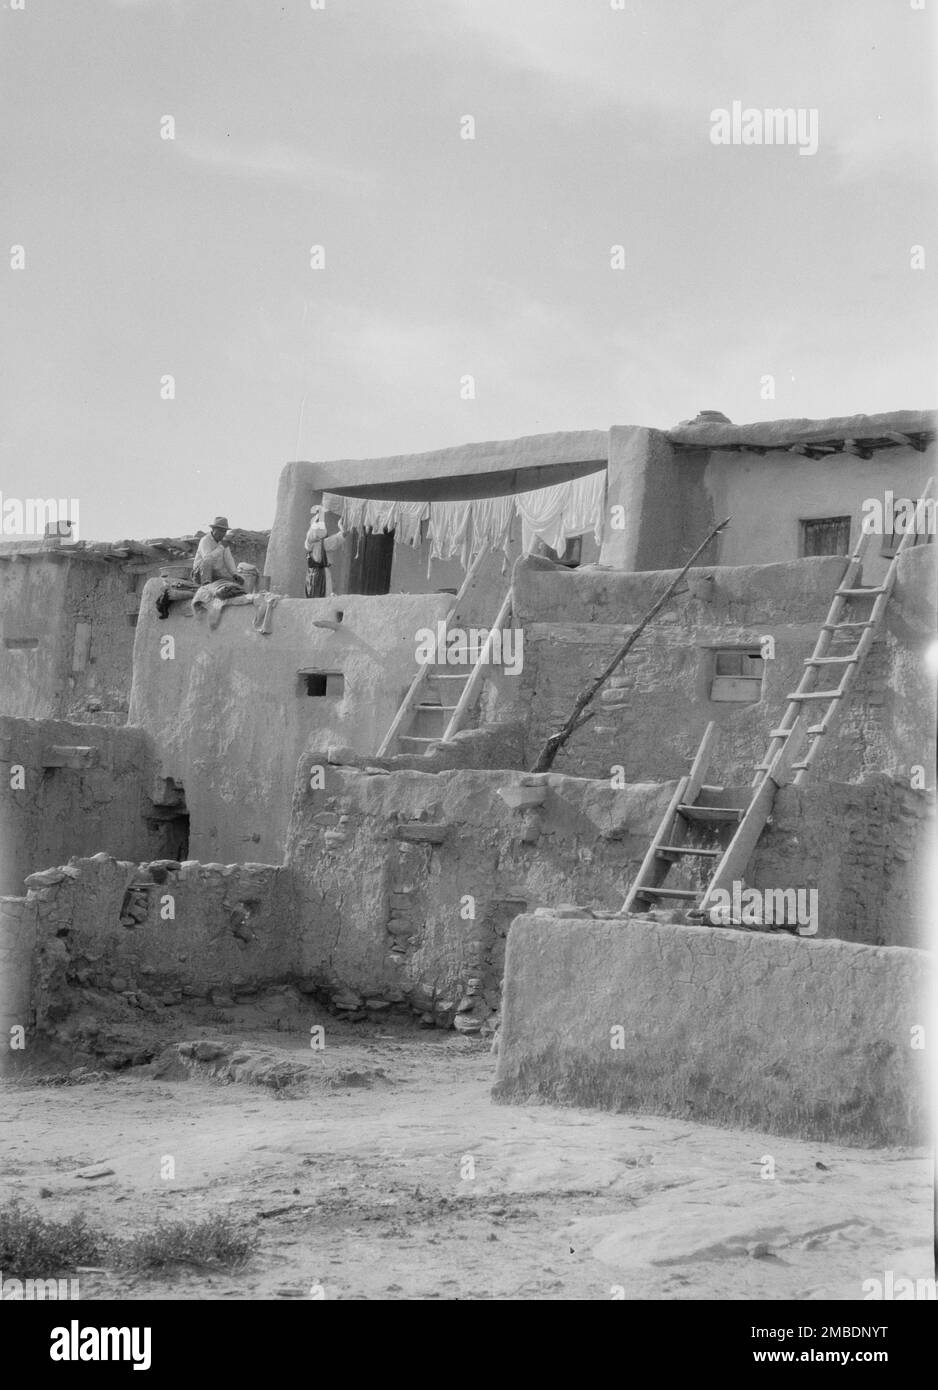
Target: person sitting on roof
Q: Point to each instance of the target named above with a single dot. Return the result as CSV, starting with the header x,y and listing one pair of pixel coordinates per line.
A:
x,y
213,559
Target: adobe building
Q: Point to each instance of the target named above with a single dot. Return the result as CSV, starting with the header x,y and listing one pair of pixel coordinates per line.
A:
x,y
318,810
68,614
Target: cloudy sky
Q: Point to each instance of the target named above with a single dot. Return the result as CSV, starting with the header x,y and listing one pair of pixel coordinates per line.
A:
x,y
445,257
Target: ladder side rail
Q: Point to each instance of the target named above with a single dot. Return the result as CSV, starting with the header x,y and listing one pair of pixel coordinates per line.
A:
x,y
740,849
471,688
650,860
822,644
688,789
409,700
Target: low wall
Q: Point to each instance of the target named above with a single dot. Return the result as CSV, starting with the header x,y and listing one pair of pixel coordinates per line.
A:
x,y
74,789
809,1038
406,882
118,942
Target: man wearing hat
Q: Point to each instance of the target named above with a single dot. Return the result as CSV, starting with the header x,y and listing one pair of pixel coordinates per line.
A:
x,y
213,560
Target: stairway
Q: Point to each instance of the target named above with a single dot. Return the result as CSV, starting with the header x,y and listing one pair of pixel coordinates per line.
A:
x,y
696,807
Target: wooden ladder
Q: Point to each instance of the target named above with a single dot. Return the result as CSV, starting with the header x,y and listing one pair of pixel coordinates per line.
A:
x,y
455,691
790,753
692,803
836,631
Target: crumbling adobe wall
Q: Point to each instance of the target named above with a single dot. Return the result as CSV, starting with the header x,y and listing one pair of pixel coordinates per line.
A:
x,y
384,863
72,789
101,603
408,881
816,1039
652,715
117,944
865,847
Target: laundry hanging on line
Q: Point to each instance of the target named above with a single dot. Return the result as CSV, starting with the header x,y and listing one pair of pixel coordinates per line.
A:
x,y
462,529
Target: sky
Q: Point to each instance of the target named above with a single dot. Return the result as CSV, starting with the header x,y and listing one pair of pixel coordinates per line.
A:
x,y
340,124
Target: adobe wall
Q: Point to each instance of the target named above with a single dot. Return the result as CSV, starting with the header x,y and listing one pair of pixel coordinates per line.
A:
x,y
68,615
397,894
229,715
652,717
467,470
382,864
117,945
95,797
805,1037
35,636
18,920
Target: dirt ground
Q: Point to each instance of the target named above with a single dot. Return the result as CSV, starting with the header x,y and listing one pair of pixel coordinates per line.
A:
x,y
390,1174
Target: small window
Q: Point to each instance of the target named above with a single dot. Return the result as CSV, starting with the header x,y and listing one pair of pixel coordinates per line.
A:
x,y
323,684
737,675
828,535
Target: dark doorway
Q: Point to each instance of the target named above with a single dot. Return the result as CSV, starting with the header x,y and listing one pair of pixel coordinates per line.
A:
x,y
370,565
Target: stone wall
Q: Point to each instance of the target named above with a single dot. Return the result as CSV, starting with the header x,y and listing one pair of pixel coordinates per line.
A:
x,y
118,945
75,789
407,882
816,1039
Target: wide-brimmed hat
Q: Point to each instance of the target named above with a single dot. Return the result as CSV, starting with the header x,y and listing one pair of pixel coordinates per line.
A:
x,y
219,521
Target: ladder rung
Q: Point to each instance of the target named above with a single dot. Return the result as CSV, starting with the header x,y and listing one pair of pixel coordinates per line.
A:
x,y
818,695
816,729
448,708
780,733
835,627
666,893
831,660
799,766
690,850
710,813
414,738
860,593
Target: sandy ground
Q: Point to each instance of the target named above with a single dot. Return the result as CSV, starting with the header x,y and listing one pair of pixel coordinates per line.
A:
x,y
394,1176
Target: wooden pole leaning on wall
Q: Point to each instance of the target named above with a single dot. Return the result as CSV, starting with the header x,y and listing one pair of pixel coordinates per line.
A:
x,y
577,717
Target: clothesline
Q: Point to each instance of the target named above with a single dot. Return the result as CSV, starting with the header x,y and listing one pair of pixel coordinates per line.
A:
x,y
463,529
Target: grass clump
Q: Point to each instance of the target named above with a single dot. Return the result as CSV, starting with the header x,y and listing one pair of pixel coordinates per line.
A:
x,y
218,1242
32,1247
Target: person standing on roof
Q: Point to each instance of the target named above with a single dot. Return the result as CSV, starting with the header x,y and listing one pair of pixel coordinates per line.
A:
x,y
213,559
317,562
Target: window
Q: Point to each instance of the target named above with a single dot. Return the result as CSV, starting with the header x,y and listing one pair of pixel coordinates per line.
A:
x,y
827,535
329,684
737,675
